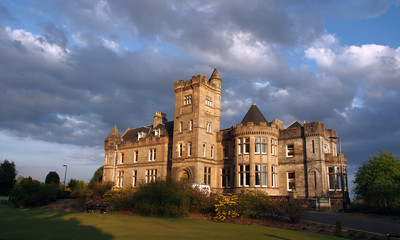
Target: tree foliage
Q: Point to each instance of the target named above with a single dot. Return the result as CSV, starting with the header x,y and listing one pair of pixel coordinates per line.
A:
x,y
75,184
377,182
98,175
52,177
7,177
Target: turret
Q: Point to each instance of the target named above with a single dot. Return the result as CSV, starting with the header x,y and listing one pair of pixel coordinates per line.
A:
x,y
215,79
112,139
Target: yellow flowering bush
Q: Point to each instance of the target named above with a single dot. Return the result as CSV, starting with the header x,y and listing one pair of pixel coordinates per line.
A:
x,y
226,207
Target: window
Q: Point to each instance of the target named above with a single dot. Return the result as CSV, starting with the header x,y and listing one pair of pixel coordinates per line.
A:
x,y
313,146
170,153
190,149
122,158
157,132
240,146
141,135
291,181
212,151
245,174
226,178
257,175
106,159
208,101
190,125
209,129
135,156
134,178
151,175
290,150
244,145
152,154
263,145
274,176
273,146
204,150
188,100
224,152
120,180
180,150
257,145
326,148
207,175
180,126
334,179
261,175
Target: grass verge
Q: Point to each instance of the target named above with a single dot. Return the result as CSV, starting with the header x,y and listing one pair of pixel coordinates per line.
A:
x,y
43,224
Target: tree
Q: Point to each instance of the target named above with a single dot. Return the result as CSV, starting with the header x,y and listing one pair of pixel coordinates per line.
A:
x,y
7,177
377,182
52,177
98,175
75,184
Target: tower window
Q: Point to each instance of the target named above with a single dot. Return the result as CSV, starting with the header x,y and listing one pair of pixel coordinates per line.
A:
x,y
190,149
190,125
208,101
188,100
209,129
290,150
180,126
291,181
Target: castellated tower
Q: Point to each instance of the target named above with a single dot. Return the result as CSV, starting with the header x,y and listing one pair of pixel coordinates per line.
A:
x,y
196,124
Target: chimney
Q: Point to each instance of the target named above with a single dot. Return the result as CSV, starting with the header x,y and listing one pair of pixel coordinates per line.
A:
x,y
159,117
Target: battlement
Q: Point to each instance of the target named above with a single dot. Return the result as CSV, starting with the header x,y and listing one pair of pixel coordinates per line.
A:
x,y
199,79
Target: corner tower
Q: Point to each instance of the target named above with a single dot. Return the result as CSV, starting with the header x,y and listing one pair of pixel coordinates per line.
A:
x,y
196,123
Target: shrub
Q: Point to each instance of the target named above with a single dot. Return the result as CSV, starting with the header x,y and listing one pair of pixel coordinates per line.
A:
x,y
254,204
94,191
162,198
226,207
200,202
290,209
30,193
120,200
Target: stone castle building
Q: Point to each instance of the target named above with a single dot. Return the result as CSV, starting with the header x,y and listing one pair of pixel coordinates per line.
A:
x,y
300,159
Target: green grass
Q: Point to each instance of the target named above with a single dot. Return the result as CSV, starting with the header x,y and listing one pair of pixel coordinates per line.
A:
x,y
41,224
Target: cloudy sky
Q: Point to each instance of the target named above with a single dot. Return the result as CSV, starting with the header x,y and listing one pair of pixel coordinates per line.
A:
x,y
70,70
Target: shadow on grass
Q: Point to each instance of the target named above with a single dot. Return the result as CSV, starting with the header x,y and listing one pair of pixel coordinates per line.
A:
x,y
35,224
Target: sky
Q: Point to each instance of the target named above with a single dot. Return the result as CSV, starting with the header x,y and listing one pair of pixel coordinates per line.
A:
x,y
71,70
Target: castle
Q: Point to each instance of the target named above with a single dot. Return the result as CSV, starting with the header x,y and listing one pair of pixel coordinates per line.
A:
x,y
300,159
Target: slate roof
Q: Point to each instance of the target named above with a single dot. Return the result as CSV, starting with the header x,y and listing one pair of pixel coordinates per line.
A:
x,y
132,134
215,74
254,115
296,124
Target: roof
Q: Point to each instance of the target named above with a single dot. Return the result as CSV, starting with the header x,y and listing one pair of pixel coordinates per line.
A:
x,y
215,75
296,124
132,134
254,115
114,133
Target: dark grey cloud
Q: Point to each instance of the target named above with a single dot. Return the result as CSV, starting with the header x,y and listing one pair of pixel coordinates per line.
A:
x,y
102,63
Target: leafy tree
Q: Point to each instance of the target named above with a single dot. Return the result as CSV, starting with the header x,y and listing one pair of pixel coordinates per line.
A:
x,y
98,175
7,177
52,177
75,184
377,182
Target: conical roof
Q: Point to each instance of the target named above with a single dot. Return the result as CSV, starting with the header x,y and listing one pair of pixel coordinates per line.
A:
x,y
254,115
215,75
114,133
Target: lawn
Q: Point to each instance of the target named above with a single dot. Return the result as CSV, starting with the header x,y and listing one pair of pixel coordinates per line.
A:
x,y
45,224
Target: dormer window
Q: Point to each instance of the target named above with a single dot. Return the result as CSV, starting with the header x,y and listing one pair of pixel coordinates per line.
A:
x,y
157,132
141,135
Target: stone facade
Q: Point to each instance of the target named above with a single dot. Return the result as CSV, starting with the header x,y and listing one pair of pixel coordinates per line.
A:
x,y
301,159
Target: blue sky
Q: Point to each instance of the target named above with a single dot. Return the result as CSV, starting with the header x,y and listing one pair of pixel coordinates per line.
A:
x,y
70,70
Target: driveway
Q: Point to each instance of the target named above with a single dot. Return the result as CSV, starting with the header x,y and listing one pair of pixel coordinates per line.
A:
x,y
354,221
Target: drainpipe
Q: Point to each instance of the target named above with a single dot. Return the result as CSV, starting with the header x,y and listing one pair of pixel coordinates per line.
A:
x,y
305,161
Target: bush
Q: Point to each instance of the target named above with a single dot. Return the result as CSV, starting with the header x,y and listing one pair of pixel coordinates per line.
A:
x,y
162,198
120,200
30,193
290,209
254,204
226,207
94,191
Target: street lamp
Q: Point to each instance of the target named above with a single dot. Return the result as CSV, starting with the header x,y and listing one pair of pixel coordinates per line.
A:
x,y
65,175
341,173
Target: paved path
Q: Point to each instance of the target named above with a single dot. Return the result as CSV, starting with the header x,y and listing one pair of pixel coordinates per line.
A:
x,y
369,224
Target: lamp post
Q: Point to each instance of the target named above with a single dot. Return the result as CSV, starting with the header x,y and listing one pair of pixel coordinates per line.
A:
x,y
341,173
65,175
